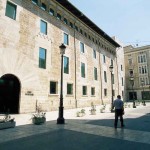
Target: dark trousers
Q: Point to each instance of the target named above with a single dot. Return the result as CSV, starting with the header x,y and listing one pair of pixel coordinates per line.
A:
x,y
118,113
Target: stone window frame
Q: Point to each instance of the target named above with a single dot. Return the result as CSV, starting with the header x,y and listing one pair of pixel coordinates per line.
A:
x,y
56,88
45,55
71,88
84,90
46,31
66,71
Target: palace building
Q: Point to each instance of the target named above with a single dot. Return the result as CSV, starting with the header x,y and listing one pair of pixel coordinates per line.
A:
x,y
31,32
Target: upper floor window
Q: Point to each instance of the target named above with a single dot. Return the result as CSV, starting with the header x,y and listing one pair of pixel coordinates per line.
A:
x,y
71,24
43,27
131,72
111,62
94,53
121,68
65,21
82,70
95,73
35,2
81,47
66,64
122,81
105,76
130,61
66,39
104,59
11,10
142,58
43,6
42,58
113,79
81,31
105,92
51,12
76,28
58,16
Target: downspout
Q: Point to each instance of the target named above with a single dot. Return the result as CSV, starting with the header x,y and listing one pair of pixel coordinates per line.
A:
x,y
101,88
75,90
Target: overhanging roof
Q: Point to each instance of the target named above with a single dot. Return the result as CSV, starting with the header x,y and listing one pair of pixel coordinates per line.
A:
x,y
66,4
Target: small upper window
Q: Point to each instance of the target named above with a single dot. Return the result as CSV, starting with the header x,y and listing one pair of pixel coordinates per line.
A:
x,y
43,27
71,25
51,12
43,6
11,10
94,53
58,16
66,39
65,21
81,47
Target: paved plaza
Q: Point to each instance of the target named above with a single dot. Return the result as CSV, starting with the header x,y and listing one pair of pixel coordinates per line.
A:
x,y
91,132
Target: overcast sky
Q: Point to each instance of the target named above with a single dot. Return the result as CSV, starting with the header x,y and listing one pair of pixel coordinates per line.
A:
x,y
128,20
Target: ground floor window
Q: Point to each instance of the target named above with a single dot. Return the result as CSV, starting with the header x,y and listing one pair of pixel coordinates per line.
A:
x,y
53,87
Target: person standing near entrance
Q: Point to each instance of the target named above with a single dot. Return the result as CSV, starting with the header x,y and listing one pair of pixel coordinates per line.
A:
x,y
119,111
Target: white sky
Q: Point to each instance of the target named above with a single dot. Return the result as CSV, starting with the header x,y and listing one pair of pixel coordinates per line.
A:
x,y
128,20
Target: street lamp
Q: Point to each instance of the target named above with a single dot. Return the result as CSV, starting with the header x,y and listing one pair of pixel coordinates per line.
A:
x,y
111,70
132,84
61,119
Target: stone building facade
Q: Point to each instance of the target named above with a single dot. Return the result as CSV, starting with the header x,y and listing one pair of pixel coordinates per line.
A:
x,y
31,33
137,72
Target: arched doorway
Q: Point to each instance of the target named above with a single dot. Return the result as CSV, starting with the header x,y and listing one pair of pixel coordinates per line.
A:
x,y
9,94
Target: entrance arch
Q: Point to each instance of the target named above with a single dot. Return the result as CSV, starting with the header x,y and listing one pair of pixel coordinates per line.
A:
x,y
9,94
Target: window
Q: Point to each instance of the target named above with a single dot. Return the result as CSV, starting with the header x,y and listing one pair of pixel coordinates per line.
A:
x,y
76,28
11,10
95,73
58,16
81,31
131,72
82,70
94,53
111,62
69,89
104,59
53,87
35,2
65,21
43,27
105,92
113,92
105,76
42,58
43,6
66,39
130,61
51,12
122,93
121,68
66,65
84,90
113,79
81,47
71,25
92,91
122,81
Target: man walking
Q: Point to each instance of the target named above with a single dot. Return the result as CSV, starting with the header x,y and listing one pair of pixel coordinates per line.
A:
x,y
119,111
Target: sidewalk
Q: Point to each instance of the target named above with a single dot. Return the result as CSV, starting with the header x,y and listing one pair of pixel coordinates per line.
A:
x,y
91,132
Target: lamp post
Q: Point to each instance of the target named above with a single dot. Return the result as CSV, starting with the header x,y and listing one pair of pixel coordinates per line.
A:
x,y
132,84
61,119
111,70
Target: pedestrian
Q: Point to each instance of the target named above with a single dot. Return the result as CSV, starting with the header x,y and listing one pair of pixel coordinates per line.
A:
x,y
119,111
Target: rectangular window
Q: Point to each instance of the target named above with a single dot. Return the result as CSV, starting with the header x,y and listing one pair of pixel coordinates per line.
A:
x,y
66,65
11,10
131,72
113,79
94,53
82,70
95,73
104,59
84,90
58,16
122,93
93,91
66,39
43,6
42,58
121,68
130,61
71,24
43,27
105,76
122,81
53,87
51,12
35,2
113,92
69,89
65,21
76,28
105,92
81,47
111,62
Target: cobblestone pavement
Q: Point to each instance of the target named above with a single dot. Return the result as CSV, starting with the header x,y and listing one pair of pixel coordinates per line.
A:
x,y
94,132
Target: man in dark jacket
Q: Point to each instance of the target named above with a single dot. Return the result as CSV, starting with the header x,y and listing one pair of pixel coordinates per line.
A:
x,y
119,111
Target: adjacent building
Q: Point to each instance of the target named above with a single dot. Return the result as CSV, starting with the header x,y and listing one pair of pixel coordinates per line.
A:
x,y
31,33
137,72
